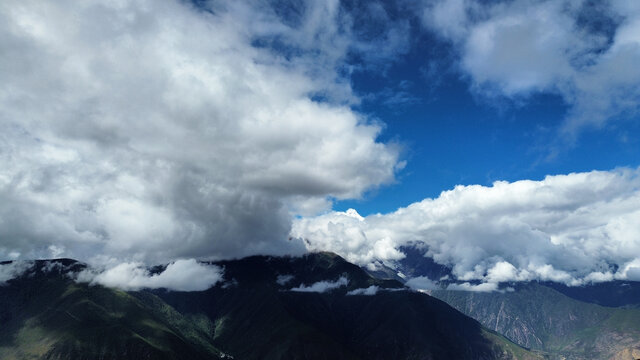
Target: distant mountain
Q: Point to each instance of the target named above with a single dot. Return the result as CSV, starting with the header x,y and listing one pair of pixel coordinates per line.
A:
x,y
596,321
266,308
414,264
541,318
613,293
393,324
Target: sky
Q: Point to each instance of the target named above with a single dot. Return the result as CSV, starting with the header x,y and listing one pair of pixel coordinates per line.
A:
x,y
501,135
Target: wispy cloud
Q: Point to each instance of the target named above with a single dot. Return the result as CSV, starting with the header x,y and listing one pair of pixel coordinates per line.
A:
x,y
322,286
582,50
13,270
369,291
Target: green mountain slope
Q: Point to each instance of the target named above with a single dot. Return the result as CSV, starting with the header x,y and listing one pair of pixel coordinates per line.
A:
x,y
542,318
49,316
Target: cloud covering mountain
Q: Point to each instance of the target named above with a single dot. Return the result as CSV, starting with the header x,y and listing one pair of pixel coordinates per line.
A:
x,y
575,228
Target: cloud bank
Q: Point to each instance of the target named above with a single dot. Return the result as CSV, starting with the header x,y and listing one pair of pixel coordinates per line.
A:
x,y
576,228
585,51
150,131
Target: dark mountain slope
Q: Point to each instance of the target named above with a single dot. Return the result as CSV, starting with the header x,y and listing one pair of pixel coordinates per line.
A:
x,y
281,324
252,314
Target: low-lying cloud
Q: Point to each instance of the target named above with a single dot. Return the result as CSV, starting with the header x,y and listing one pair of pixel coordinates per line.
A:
x,y
576,228
282,280
13,270
322,286
422,283
181,275
369,291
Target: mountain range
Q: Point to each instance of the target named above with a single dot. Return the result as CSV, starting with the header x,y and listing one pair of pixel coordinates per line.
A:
x,y
593,321
317,306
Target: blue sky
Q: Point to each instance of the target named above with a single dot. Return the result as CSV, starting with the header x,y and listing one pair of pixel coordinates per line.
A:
x,y
452,134
451,138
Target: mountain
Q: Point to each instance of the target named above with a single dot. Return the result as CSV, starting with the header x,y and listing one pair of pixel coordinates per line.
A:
x,y
414,264
542,318
46,315
265,308
595,321
393,324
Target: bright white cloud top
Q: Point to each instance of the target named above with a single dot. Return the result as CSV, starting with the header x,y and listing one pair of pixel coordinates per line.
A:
x,y
181,275
568,228
151,130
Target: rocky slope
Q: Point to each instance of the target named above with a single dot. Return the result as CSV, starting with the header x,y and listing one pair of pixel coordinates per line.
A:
x,y
542,318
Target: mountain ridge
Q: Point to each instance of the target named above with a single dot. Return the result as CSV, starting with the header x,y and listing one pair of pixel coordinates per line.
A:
x,y
252,314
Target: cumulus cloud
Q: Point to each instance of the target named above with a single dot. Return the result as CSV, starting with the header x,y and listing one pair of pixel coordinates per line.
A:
x,y
582,50
570,228
322,286
150,131
369,291
181,275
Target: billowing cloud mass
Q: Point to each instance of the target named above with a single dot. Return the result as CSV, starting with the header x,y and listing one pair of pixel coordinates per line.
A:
x,y
576,228
181,275
156,130
322,286
585,51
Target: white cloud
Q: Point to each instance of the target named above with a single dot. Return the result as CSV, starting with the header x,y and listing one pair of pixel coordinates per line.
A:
x,y
181,275
149,131
282,280
630,270
344,233
521,47
563,228
322,286
13,269
369,291
422,283
483,287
